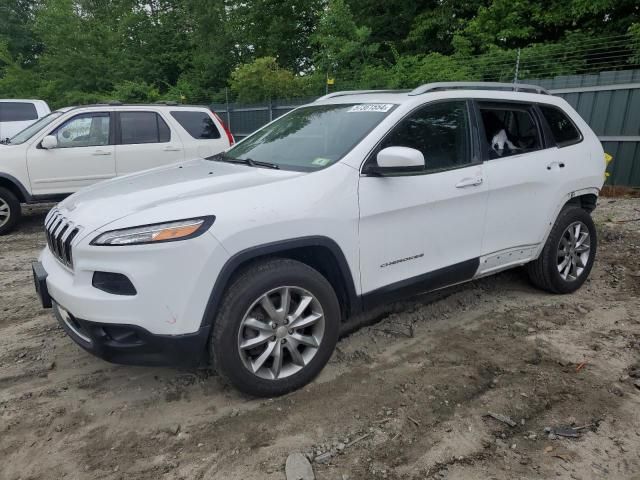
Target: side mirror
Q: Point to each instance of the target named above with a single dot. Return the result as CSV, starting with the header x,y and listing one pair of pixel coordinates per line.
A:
x,y
397,160
48,142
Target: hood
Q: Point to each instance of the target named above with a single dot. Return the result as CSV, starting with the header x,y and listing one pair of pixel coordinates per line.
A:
x,y
6,148
111,200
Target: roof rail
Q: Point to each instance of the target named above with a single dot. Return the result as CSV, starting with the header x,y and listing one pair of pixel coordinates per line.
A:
x,y
117,103
357,92
515,87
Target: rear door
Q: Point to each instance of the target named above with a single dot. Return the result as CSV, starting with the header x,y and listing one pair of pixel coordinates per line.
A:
x,y
144,140
525,175
201,135
423,230
84,155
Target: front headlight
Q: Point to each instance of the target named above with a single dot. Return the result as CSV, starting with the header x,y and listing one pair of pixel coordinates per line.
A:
x,y
156,233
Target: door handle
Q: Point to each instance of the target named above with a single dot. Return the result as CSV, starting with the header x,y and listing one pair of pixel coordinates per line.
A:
x,y
169,148
553,164
469,182
98,153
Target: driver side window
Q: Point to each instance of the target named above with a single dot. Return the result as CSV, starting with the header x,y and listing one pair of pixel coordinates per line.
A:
x,y
441,131
85,130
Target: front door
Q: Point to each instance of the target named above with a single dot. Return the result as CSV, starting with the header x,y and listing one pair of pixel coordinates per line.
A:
x,y
423,230
84,155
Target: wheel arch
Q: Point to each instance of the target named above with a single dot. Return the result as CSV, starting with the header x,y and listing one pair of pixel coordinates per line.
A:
x,y
12,184
586,199
321,253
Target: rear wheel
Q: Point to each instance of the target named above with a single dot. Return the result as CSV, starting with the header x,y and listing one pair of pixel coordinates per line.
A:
x,y
276,329
9,210
567,257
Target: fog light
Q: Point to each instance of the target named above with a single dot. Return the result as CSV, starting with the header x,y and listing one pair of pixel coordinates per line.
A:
x,y
114,283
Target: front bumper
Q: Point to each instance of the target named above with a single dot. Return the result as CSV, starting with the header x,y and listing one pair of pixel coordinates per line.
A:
x,y
172,282
132,345
124,344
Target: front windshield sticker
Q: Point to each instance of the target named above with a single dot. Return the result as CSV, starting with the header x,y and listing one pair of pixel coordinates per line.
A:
x,y
371,107
321,162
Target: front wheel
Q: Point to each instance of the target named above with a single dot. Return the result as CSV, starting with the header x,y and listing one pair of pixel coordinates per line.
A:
x,y
567,257
276,328
9,210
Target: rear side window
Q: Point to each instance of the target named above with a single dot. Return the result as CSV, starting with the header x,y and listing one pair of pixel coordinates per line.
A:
x,y
143,127
17,112
510,129
563,129
199,125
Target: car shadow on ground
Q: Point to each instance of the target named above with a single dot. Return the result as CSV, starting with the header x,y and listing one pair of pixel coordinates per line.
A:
x,y
33,218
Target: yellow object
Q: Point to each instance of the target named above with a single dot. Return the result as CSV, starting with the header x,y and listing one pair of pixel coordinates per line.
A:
x,y
607,160
330,81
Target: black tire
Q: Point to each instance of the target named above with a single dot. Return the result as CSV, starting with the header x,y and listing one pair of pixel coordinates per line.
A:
x,y
543,272
8,198
248,286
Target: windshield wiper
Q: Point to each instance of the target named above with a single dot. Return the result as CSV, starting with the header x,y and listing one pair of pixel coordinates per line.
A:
x,y
221,157
5,141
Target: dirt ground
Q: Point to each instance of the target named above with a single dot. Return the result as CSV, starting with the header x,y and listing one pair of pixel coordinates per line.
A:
x,y
406,397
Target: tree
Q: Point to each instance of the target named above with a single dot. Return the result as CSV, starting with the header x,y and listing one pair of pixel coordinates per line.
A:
x,y
518,23
273,28
264,79
16,30
77,51
341,45
435,27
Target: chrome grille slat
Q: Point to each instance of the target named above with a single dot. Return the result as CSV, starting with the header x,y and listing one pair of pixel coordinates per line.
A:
x,y
67,245
50,218
60,233
54,233
58,244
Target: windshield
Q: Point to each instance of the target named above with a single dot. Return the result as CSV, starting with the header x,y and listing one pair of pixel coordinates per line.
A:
x,y
32,129
309,138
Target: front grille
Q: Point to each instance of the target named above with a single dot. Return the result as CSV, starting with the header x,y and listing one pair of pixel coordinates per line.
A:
x,y
60,233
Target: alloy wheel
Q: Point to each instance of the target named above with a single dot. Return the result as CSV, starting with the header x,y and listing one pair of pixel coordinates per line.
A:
x,y
5,212
281,332
574,250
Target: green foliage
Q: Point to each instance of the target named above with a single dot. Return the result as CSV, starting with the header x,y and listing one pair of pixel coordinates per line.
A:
x,y
198,51
16,30
519,23
418,69
439,26
264,79
275,28
135,92
341,45
634,31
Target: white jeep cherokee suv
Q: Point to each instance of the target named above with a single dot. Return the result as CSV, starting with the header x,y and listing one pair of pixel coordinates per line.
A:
x,y
254,257
75,147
